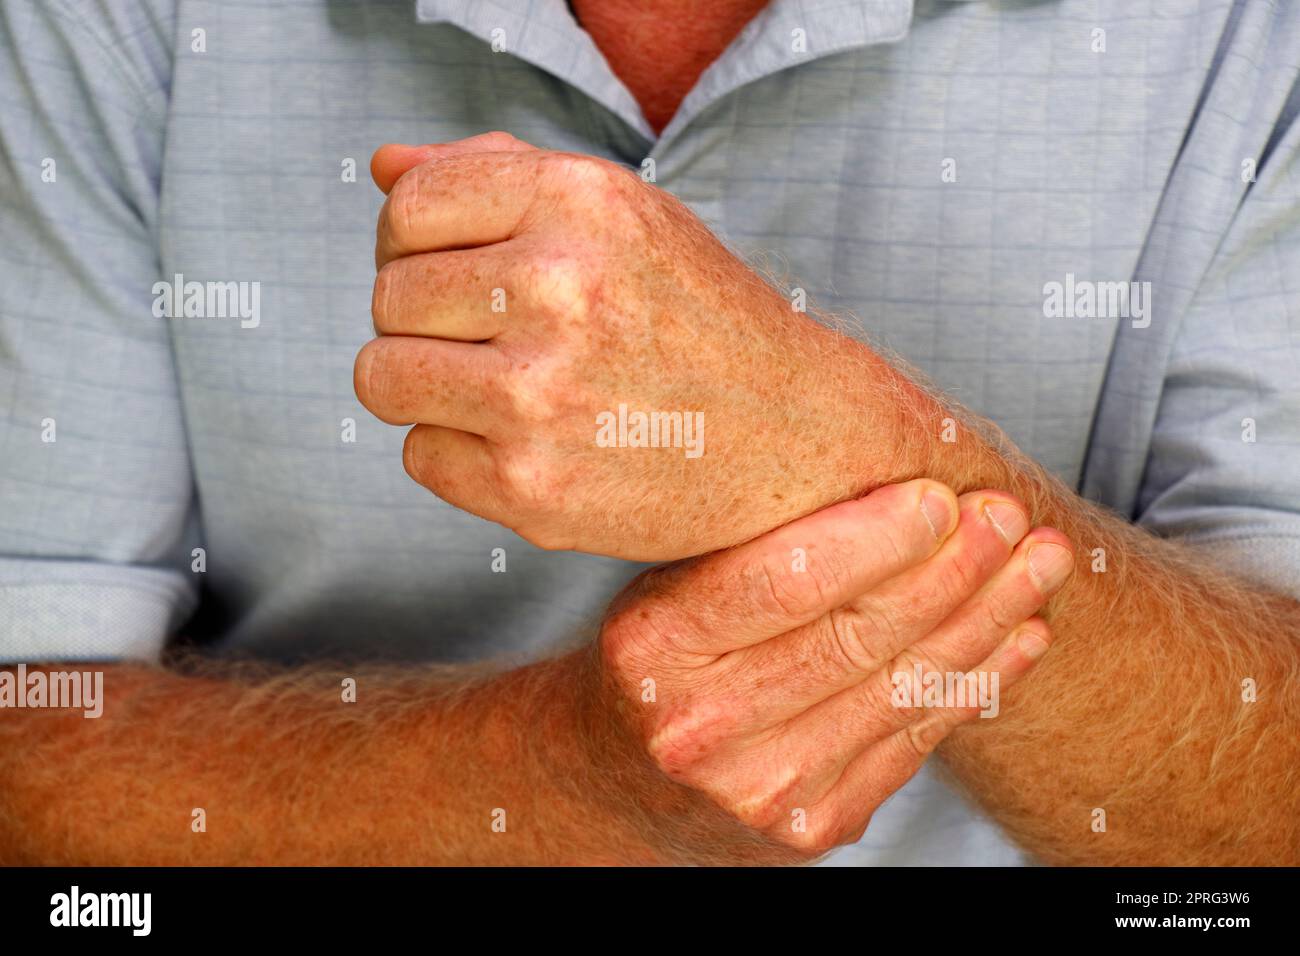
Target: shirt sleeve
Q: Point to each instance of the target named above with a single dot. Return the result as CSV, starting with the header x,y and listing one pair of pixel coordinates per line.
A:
x,y
1224,466
96,494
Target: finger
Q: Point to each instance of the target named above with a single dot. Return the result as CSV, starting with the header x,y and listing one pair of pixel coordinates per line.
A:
x,y
457,467
798,572
458,202
1012,595
459,294
824,758
403,380
839,649
392,160
879,771
867,712
976,693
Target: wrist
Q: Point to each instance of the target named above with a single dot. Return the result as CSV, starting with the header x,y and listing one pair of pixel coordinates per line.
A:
x,y
908,431
577,786
623,787
887,424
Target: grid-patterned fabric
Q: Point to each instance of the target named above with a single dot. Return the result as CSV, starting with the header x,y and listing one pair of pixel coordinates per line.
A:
x,y
838,163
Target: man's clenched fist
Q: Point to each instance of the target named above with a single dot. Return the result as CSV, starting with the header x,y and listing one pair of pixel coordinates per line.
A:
x,y
766,678
546,319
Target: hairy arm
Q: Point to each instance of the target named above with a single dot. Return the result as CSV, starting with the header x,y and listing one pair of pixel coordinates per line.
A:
x,y
287,773
1140,714
1139,710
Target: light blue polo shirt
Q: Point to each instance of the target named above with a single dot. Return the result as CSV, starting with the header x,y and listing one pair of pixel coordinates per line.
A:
x,y
978,183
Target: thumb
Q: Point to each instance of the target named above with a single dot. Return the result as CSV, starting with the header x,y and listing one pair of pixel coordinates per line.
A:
x,y
392,160
795,574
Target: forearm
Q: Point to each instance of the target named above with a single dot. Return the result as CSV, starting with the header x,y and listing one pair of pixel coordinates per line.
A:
x,y
1138,710
415,771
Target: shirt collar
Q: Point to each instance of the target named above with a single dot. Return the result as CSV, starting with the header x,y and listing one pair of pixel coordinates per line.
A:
x,y
545,34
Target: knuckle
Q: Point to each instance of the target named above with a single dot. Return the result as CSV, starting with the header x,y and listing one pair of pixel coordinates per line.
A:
x,y
619,194
384,379
417,465
964,578
685,736
998,613
1036,625
363,373
528,487
783,592
822,833
829,571
519,473
856,831
370,375
563,286
546,536
578,169
849,628
531,396
921,737
769,804
384,298
904,537
402,208
905,665
498,139
870,631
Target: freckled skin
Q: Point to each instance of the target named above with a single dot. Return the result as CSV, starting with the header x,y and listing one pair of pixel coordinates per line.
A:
x,y
732,720
750,730
616,295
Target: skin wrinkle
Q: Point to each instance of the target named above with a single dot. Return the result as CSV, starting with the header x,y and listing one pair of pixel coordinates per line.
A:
x,y
1165,632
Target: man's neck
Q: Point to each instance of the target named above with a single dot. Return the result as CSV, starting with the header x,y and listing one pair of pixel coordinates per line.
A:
x,y
659,48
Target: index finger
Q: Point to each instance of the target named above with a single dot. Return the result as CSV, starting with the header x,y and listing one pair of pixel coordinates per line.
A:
x,y
457,201
392,160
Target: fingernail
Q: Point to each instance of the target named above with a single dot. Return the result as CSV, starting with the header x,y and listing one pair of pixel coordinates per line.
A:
x,y
1008,520
1050,565
938,511
1031,645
